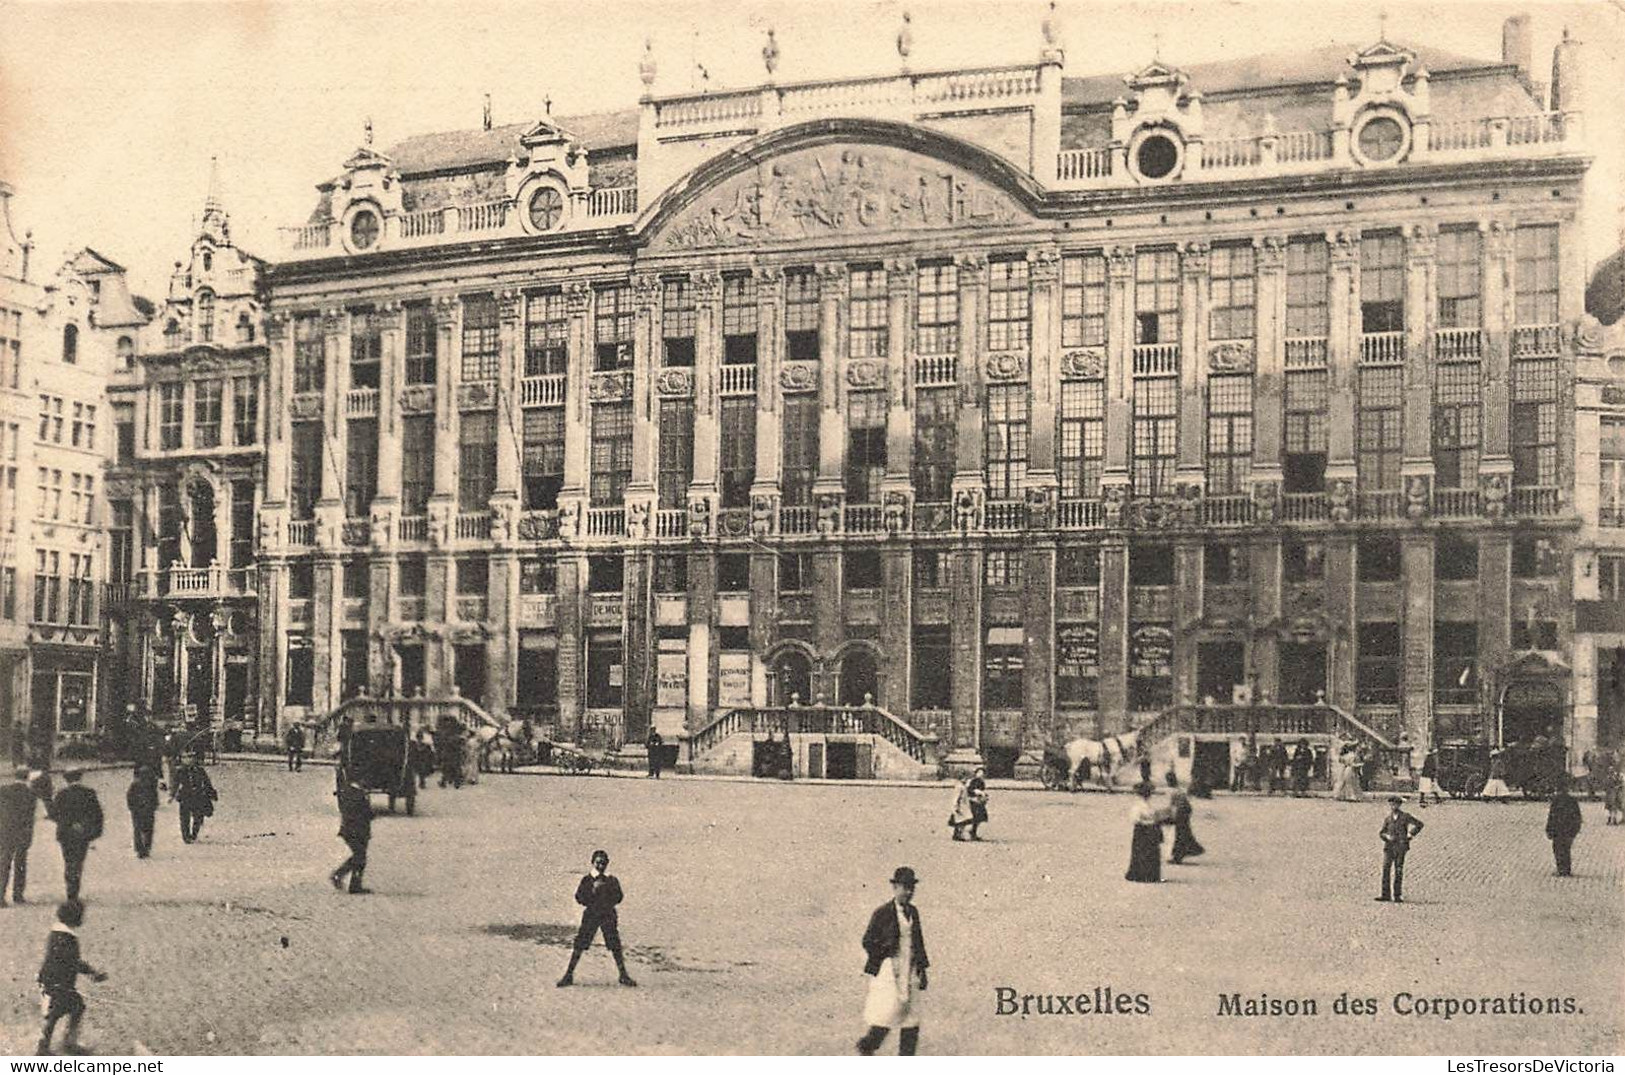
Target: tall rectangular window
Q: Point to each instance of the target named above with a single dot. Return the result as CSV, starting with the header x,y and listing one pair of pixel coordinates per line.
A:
x,y
1382,283
1455,663
801,315
936,313
547,334
932,679
1376,676
1006,444
1378,447
736,439
170,524
865,446
1611,474
936,427
82,603
1083,300
1081,449
1156,434
739,319
309,354
241,548
1461,273
121,542
1304,465
207,413
366,348
47,586
417,463
1535,278
305,469
542,467
1231,293
1456,393
1308,285
677,321
301,671
1004,667
1229,433
1534,422
867,314
1156,296
800,448
482,338
8,588
476,461
1009,304
676,452
123,433
245,411
613,319
422,343
171,414
361,467
611,453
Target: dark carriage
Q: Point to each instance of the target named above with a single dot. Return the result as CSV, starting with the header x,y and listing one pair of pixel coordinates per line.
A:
x,y
379,758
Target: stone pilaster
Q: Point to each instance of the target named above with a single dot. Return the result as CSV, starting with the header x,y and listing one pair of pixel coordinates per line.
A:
x,y
1500,315
1342,349
1421,317
510,307
1187,600
964,569
389,405
968,436
1341,576
833,289
1193,305
638,693
646,348
1113,689
572,628
1416,635
896,572
1119,359
769,361
1038,626
901,275
578,299
1044,267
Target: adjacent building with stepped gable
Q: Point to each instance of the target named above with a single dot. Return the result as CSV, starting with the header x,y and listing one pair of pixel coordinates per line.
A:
x,y
944,416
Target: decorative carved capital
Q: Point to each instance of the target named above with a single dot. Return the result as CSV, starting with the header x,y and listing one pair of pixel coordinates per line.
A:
x,y
1588,335
1271,251
1422,241
510,305
1044,265
446,309
276,326
1193,257
972,267
335,321
646,290
832,281
707,286
1120,262
1344,245
578,298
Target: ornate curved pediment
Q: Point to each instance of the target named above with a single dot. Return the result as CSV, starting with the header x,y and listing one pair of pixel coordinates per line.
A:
x,y
838,178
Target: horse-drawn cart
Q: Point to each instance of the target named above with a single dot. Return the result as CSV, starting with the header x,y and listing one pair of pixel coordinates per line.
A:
x,y
379,758
572,761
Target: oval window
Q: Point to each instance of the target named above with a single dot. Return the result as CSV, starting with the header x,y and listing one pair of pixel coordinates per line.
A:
x,y
546,209
1381,139
1157,157
364,229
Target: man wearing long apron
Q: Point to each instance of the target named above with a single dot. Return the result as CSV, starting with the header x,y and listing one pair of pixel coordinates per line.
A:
x,y
895,945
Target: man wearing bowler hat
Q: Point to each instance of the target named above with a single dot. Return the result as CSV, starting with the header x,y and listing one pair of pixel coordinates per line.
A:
x,y
896,966
1397,829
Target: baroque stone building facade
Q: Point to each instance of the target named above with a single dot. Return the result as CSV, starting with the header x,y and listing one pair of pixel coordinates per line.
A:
x,y
1008,406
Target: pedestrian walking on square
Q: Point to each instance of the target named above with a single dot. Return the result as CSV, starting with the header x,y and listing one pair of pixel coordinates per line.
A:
x,y
17,808
196,795
355,829
1562,826
142,799
655,743
1185,845
59,979
423,758
78,815
1496,786
599,894
1145,849
977,790
1614,796
296,747
1398,828
896,963
1427,782
1348,788
1303,763
1239,764
471,759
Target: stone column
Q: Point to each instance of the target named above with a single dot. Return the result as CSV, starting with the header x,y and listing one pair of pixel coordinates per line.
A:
x,y
380,601
1494,626
389,410
336,386
1187,609
572,628
272,642
1342,358
1263,655
1193,365
1500,315
1038,627
1044,266
326,619
702,604
448,350
1119,359
897,582
968,467
965,637
1113,689
1340,588
707,376
1416,635
1269,382
638,659
510,312
646,347
1421,288
833,289
578,302
769,361
899,384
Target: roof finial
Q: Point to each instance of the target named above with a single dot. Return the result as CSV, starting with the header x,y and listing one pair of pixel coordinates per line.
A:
x,y
211,200
1382,25
1156,46
905,38
366,131
1051,29
770,53
646,66
487,117
547,105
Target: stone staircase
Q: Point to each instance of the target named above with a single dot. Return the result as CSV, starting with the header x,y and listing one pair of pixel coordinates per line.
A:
x,y
898,751
413,713
1320,724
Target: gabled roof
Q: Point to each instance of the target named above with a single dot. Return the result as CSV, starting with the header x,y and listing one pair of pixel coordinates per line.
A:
x,y
93,263
1265,72
449,150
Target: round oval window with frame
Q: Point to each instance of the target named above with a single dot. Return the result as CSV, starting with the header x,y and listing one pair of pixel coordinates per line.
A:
x,y
364,229
1382,139
545,209
1156,155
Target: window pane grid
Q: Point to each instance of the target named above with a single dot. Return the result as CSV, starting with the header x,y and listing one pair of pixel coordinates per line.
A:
x,y
1229,433
481,339
868,311
937,311
800,301
1006,442
1305,407
1231,294
676,463
1307,284
422,336
1460,279
612,327
611,452
1009,319
547,334
739,305
935,437
309,355
1456,425
1082,436
1083,300
1535,252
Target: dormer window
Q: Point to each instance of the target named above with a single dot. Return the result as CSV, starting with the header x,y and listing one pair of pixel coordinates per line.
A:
x,y
126,352
172,334
245,328
70,344
208,261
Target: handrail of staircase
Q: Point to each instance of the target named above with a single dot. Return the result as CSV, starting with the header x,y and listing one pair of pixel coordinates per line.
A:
x,y
1363,728
470,713
714,732
1233,719
871,720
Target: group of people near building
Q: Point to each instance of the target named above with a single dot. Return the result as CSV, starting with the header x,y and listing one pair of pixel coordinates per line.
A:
x,y
1274,766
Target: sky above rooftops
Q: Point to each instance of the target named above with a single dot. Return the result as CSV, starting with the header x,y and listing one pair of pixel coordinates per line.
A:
x,y
111,112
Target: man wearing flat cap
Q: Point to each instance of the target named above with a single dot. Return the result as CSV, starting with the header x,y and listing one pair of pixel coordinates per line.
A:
x,y
78,816
1397,829
896,967
17,804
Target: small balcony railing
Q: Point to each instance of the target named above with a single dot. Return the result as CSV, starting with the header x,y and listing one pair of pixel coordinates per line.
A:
x,y
1455,503
490,216
472,526
1537,341
1230,510
606,522
1458,344
1537,500
1156,359
936,371
1004,515
1306,351
738,380
309,237
1382,348
1303,507
302,532
862,519
412,528
546,390
671,523
613,201
798,519
421,224
361,403
1080,514
1383,504
1075,164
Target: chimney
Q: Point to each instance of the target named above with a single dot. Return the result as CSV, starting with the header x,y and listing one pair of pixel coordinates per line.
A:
x,y
1517,44
1566,75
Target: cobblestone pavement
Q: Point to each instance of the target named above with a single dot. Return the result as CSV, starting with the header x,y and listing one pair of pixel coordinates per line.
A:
x,y
744,907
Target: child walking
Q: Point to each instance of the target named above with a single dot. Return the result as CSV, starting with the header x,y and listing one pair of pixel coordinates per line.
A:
x,y
59,975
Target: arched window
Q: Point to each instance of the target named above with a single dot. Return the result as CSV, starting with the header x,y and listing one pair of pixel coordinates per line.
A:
x,y
126,352
208,261
205,316
245,328
172,334
70,344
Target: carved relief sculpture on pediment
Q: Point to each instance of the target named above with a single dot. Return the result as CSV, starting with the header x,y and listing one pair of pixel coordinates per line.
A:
x,y
1083,364
610,387
1230,356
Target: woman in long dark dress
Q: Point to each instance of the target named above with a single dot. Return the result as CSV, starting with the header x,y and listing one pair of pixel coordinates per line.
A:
x,y
1145,852
1185,845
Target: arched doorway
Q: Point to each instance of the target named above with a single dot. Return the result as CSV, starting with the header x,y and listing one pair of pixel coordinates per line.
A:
x,y
789,676
1531,707
860,678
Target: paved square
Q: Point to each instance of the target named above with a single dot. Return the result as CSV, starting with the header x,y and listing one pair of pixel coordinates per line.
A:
x,y
745,903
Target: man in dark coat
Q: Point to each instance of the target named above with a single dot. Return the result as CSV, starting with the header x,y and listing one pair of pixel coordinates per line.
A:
x,y
17,801
355,829
142,799
196,795
655,743
1562,826
1397,829
897,966
295,741
59,978
422,758
599,893
78,815
1303,764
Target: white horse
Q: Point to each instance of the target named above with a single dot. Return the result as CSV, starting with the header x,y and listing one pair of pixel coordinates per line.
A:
x,y
1107,758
